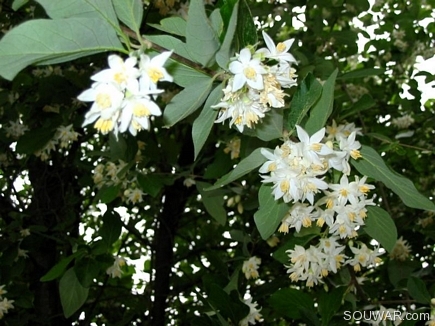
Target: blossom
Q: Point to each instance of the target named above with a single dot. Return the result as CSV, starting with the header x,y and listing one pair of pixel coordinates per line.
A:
x,y
121,73
253,315
403,122
250,267
106,108
15,129
247,71
115,269
277,52
5,305
134,195
364,256
401,250
152,71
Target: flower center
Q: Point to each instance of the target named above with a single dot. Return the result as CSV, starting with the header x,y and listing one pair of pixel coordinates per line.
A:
x,y
104,125
280,47
119,78
155,74
250,73
103,100
140,110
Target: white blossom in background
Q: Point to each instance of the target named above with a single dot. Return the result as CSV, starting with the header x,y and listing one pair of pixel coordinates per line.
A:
x,y
401,250
115,269
254,313
15,129
123,95
5,304
403,122
250,267
256,83
62,139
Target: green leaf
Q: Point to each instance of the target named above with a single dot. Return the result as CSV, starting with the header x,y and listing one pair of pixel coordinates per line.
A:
x,y
361,73
172,25
380,226
171,43
306,95
270,128
227,304
225,52
364,103
86,269
321,111
186,102
201,39
130,12
17,4
330,303
398,270
216,21
249,163
372,165
150,183
203,124
246,33
58,269
111,229
213,202
289,302
54,41
270,212
34,140
418,291
102,9
107,194
72,294
185,75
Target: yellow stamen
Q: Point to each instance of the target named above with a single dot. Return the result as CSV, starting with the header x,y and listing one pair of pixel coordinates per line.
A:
x,y
103,100
140,110
104,125
355,154
280,47
250,73
155,74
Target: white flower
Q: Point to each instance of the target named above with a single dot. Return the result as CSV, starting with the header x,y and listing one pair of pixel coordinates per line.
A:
x,y
136,113
122,73
134,196
15,129
243,109
254,313
250,267
65,135
364,257
277,52
107,100
312,146
403,122
152,71
247,71
115,269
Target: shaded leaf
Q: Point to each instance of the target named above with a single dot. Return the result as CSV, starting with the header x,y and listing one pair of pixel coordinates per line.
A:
x,y
72,294
249,163
86,269
307,94
150,183
34,140
111,229
361,73
58,269
418,291
229,17
269,128
213,202
17,4
289,302
330,303
107,194
380,226
321,111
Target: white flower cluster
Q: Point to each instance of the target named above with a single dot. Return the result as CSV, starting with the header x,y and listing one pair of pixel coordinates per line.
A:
x,y
63,137
123,94
403,122
250,267
254,313
255,87
111,174
15,129
298,172
5,304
